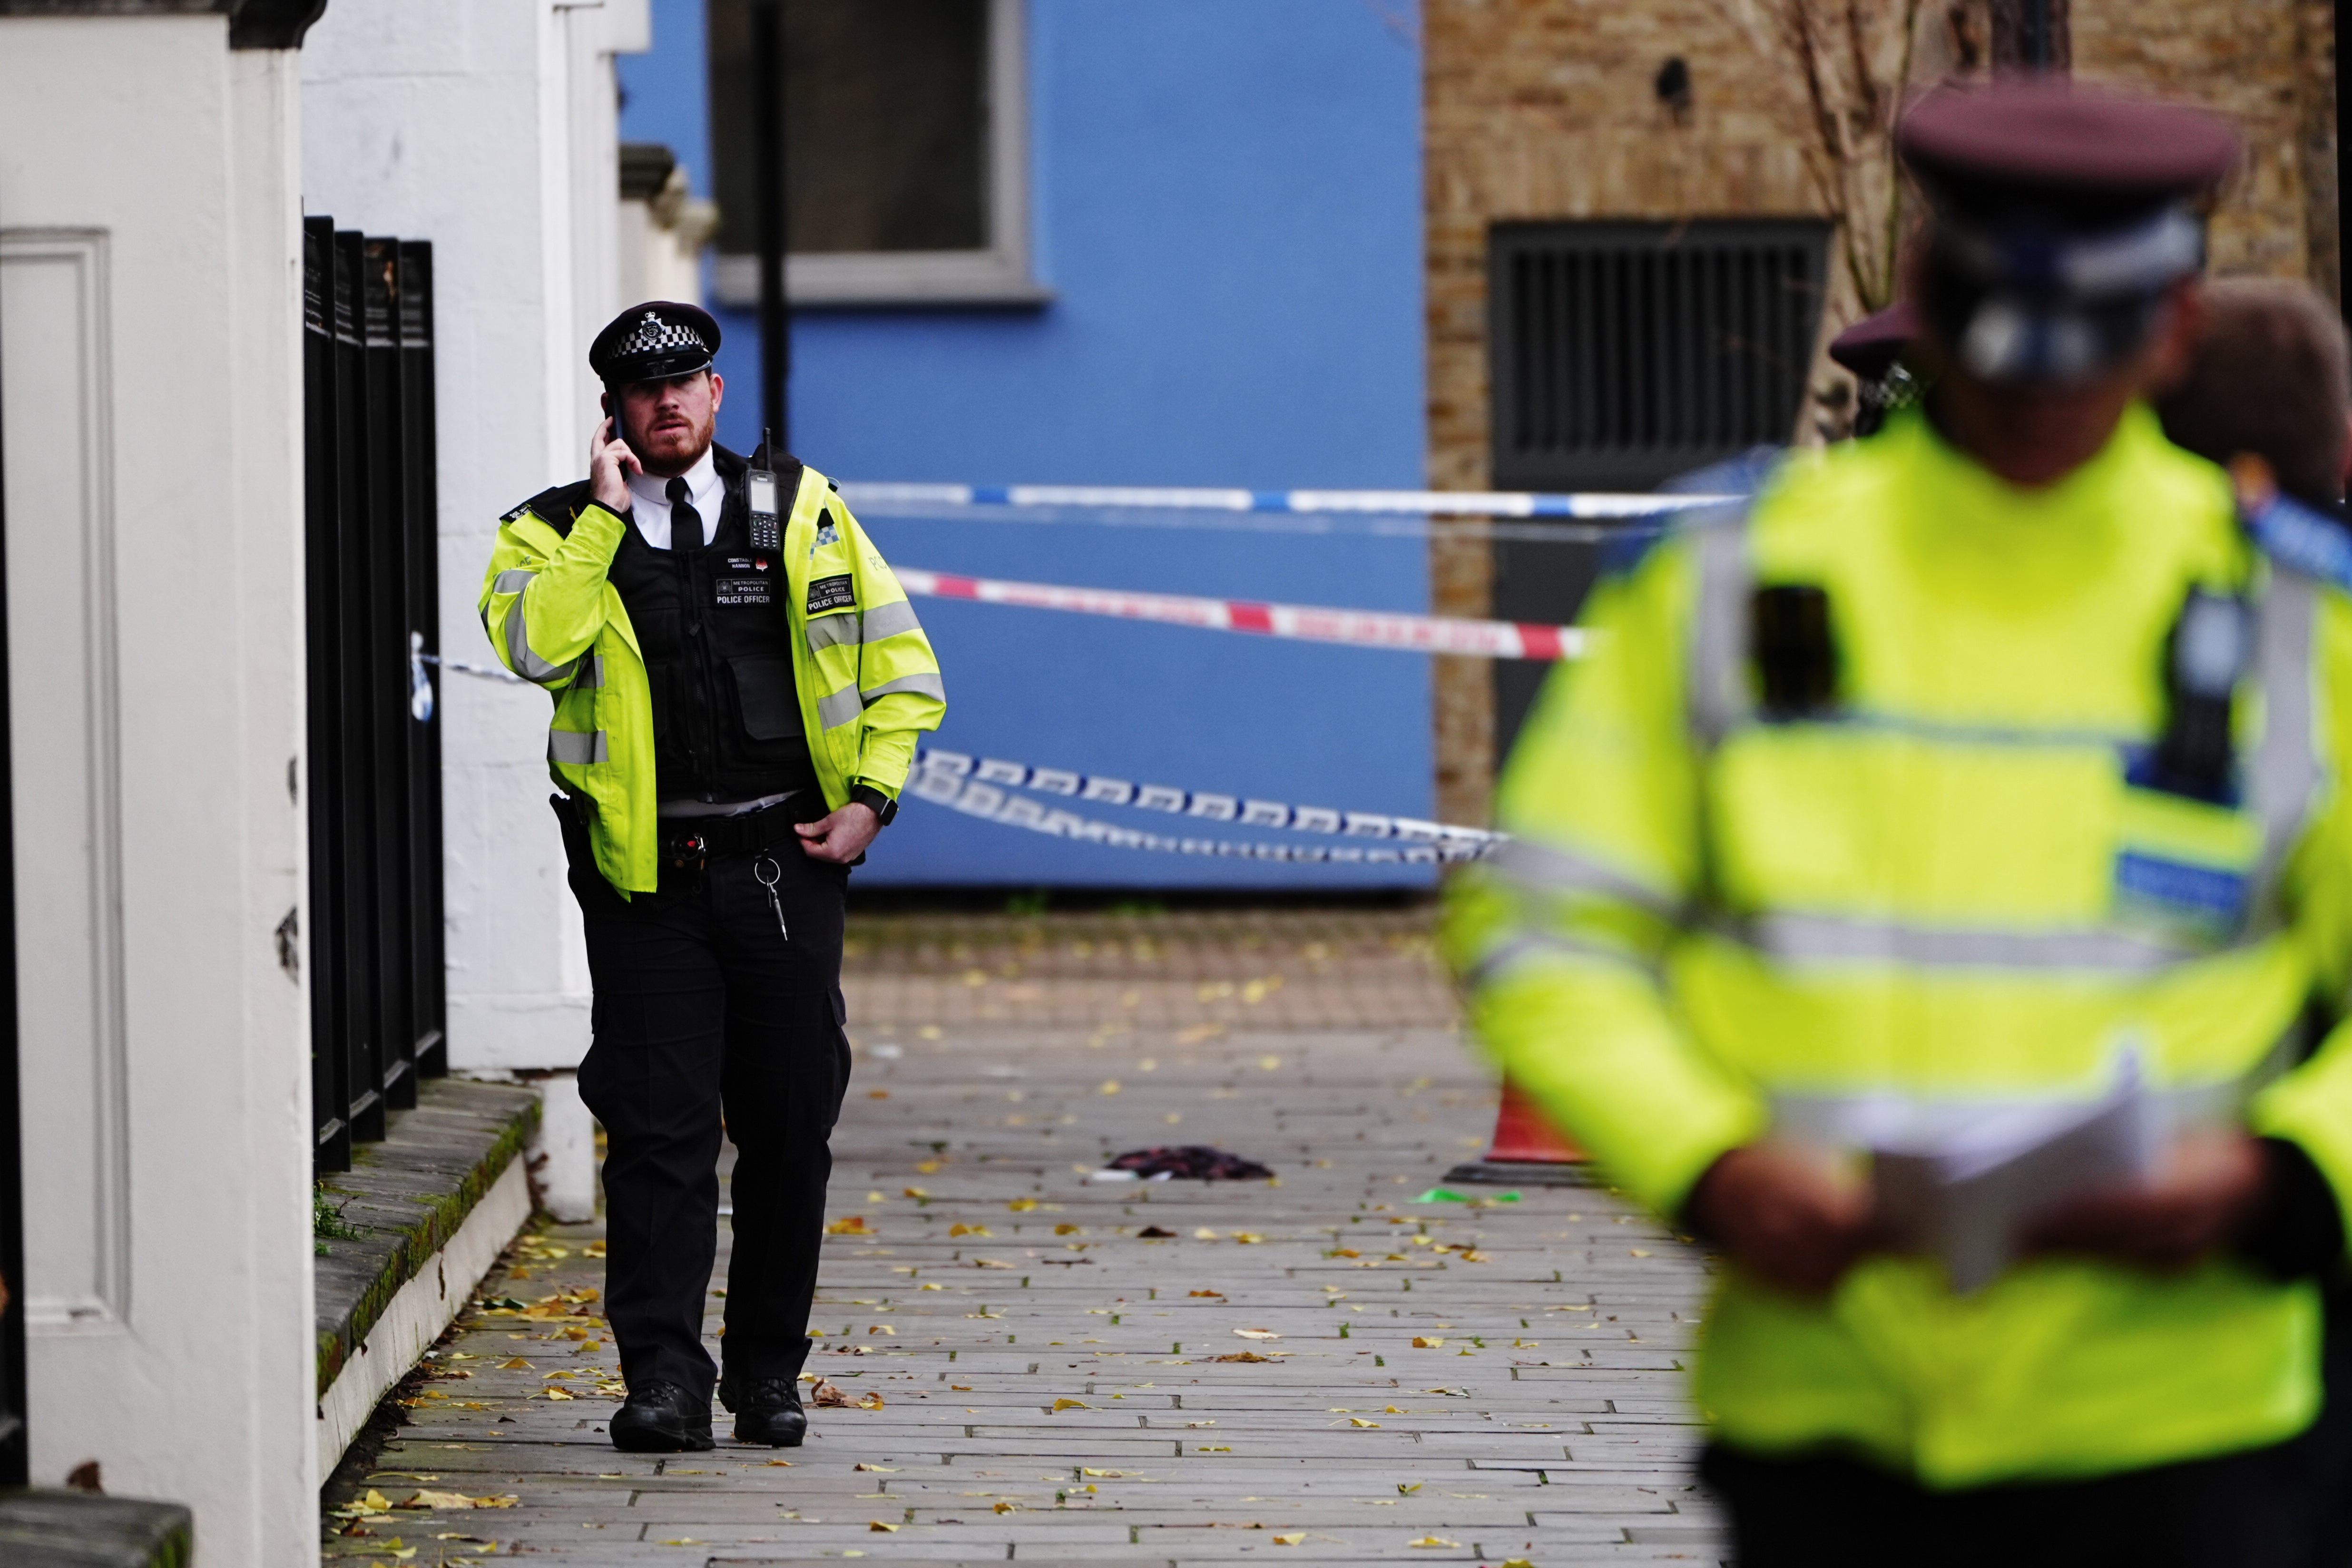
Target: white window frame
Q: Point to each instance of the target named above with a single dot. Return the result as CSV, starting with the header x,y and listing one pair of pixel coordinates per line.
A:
x,y
997,276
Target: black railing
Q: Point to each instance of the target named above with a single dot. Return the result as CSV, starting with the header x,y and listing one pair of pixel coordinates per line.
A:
x,y
374,788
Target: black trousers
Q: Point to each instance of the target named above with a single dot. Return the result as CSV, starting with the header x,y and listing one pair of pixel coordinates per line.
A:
x,y
703,1006
2261,1509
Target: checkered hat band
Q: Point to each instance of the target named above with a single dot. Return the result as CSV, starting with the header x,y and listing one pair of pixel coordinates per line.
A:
x,y
659,336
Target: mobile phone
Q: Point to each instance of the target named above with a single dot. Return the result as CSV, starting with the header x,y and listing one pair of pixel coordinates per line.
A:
x,y
618,434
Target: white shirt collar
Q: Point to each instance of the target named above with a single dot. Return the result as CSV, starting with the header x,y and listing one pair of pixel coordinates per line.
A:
x,y
650,498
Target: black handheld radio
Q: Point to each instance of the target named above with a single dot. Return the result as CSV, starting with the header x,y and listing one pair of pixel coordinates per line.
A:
x,y
767,532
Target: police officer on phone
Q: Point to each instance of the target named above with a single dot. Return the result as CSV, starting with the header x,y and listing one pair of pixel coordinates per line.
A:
x,y
739,681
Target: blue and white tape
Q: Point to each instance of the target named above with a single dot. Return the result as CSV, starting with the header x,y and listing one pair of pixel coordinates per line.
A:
x,y
977,786
1596,505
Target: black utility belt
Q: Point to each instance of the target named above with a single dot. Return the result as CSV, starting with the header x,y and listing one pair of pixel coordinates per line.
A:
x,y
692,840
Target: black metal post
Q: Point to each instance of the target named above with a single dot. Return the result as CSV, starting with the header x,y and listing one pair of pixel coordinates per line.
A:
x,y
775,311
2037,34
2337,76
331,1060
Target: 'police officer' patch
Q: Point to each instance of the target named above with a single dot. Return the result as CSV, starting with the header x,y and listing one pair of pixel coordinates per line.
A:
x,y
829,594
741,590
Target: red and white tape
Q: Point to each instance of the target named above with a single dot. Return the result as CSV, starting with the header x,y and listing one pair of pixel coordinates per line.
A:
x,y
1303,623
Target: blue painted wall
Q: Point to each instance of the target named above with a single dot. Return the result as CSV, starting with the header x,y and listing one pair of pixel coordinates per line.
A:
x,y
1226,204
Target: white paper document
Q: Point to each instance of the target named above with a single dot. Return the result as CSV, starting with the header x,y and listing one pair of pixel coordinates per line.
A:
x,y
1964,1194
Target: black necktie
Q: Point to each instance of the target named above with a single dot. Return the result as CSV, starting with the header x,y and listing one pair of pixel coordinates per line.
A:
x,y
685,522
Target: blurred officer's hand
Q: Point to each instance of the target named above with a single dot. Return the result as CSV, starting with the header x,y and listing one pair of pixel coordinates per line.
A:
x,y
1786,1216
2210,1189
610,464
839,836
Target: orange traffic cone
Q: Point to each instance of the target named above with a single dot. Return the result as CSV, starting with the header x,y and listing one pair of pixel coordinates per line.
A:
x,y
1527,1149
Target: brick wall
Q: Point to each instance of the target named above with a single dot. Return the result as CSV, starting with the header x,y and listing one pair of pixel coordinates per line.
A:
x,y
1546,108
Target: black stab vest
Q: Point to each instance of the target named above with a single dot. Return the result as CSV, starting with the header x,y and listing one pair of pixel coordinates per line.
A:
x,y
717,636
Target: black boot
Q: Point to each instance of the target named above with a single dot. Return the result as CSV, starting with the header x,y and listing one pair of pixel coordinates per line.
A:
x,y
661,1418
767,1411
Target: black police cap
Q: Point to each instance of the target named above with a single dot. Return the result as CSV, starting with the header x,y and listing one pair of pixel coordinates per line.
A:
x,y
2072,157
658,339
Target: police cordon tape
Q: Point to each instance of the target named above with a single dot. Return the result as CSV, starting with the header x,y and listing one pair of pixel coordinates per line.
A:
x,y
1208,806
1410,503
1301,623
970,785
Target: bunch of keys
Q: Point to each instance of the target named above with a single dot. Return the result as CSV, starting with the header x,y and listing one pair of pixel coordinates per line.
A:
x,y
769,874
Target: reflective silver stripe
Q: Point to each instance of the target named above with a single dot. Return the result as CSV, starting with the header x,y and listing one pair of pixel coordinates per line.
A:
x,y
1899,1122
834,631
524,662
577,747
1832,938
1528,946
1718,676
514,580
2283,774
1548,868
838,707
1939,733
890,620
923,685
850,628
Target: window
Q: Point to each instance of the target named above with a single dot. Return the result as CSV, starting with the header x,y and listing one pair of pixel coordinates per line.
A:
x,y
1620,356
1624,353
904,152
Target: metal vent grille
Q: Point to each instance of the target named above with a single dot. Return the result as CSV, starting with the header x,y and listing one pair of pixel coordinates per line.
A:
x,y
1626,352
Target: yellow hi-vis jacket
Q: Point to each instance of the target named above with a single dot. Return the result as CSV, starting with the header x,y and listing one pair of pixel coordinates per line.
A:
x,y
1942,894
868,679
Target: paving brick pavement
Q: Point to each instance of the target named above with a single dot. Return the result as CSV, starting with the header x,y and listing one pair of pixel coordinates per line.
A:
x,y
1044,1368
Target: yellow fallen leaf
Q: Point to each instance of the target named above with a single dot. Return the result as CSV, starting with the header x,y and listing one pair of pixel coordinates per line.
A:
x,y
958,1388
1021,1205
516,1364
1404,1490
785,1464
854,1225
1065,1228
878,1527
915,1192
1360,1421
1257,1333
1062,1405
1432,1540
934,1286
1292,1540
1248,1237
1517,1562
1110,1086
1244,1355
375,1501
961,1229
1219,1295
1205,1234
878,1094
1428,1342
885,1469
1212,1449
1637,1252
870,1402
690,1540
398,1549
1006,1507
1109,1475
928,1167
1390,1410
1269,1063
559,1393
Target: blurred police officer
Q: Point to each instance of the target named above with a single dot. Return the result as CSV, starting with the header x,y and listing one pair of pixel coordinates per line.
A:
x,y
1972,768
739,681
